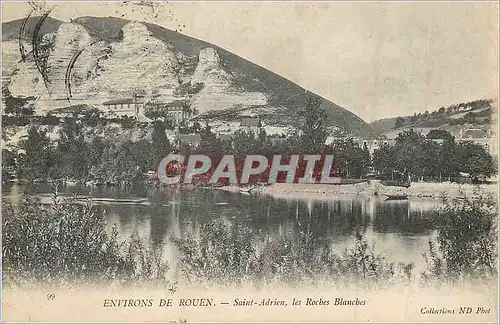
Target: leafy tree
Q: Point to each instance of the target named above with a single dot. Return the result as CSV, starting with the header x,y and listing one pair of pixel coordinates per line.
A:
x,y
475,160
351,160
383,160
95,151
8,158
467,240
440,134
73,148
161,145
292,145
314,128
17,106
447,164
431,157
409,153
140,151
40,160
417,156
246,142
209,143
8,163
118,165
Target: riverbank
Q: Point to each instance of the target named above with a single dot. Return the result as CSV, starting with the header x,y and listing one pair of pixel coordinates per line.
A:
x,y
371,188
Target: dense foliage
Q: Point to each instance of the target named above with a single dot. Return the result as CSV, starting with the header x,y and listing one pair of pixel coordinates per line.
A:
x,y
466,246
456,114
436,155
222,255
67,243
80,154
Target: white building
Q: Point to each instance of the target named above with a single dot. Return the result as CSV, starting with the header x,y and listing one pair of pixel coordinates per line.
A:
x,y
122,107
479,136
251,124
176,110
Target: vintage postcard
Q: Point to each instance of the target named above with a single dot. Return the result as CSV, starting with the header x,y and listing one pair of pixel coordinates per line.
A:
x,y
249,161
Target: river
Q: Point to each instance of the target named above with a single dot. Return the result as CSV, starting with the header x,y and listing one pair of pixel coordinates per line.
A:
x,y
399,229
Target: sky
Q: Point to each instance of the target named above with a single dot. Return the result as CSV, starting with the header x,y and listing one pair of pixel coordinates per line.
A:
x,y
376,59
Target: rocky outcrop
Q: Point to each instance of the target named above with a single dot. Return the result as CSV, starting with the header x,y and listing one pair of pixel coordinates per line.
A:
x,y
146,58
71,40
55,54
218,91
139,64
25,80
209,70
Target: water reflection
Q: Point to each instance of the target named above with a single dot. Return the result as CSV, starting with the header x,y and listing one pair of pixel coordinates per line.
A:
x,y
400,229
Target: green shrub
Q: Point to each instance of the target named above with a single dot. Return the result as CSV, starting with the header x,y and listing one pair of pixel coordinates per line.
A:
x,y
67,243
466,247
223,255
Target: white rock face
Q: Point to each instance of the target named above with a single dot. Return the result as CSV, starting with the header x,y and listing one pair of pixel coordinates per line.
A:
x,y
70,40
26,81
138,64
209,71
10,57
218,92
71,37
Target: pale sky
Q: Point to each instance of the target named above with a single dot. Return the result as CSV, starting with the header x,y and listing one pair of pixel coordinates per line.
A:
x,y
375,59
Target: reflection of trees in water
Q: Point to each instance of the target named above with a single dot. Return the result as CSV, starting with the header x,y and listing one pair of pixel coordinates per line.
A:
x,y
128,219
397,216
287,218
159,224
177,212
187,210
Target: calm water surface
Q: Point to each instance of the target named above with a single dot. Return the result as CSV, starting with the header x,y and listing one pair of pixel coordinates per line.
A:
x,y
399,229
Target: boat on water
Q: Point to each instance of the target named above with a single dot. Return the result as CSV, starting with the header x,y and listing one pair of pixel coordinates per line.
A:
x,y
115,200
396,197
246,190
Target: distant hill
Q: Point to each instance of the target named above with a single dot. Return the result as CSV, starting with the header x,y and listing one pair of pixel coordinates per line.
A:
x,y
383,125
10,29
478,112
231,82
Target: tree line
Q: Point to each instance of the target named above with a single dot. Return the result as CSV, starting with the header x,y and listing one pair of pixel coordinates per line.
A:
x,y
78,155
436,155
444,112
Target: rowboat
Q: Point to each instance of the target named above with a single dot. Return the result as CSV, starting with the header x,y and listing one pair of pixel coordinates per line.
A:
x,y
246,190
396,197
116,200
